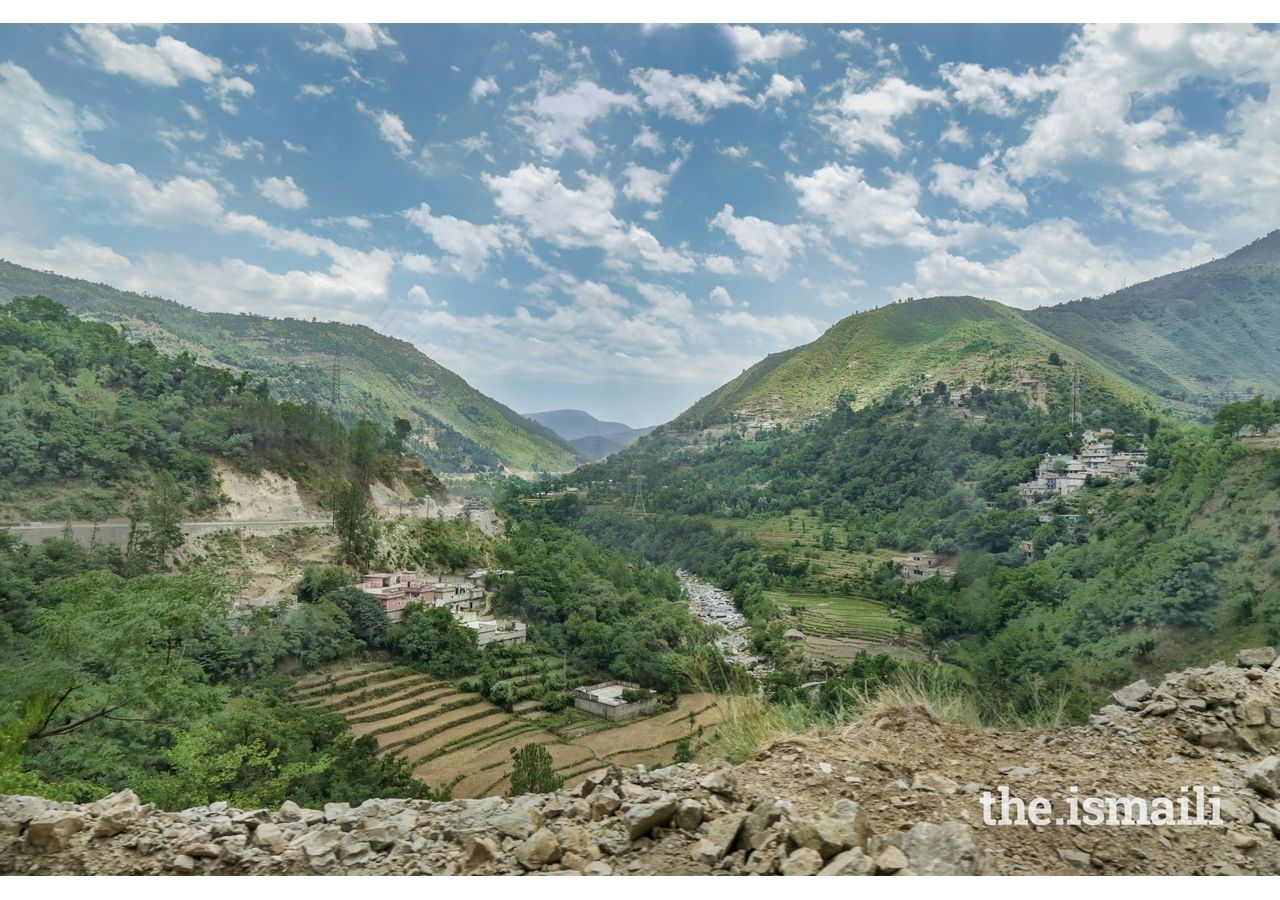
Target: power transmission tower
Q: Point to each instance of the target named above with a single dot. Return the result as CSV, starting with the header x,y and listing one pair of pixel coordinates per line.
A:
x,y
637,505
1077,417
335,385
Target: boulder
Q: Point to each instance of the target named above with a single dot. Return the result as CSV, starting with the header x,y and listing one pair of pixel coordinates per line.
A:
x,y
932,781
1262,657
890,861
1264,776
850,862
804,861
719,838
1131,696
641,818
946,849
688,815
51,831
479,851
540,849
270,837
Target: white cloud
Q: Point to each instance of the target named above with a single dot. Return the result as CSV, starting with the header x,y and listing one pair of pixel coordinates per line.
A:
x,y
574,219
416,262
292,147
1053,261
648,139
750,46
781,87
315,90
545,38
720,297
359,223
720,265
955,134
418,296
47,129
977,189
239,149
787,329
467,246
73,256
359,37
166,63
769,246
854,36
392,130
365,37
995,91
865,214
282,192
649,185
687,97
559,121
860,118
481,88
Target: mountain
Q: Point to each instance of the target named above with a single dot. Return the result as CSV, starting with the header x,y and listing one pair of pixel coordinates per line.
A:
x,y
868,355
1205,335
588,435
455,427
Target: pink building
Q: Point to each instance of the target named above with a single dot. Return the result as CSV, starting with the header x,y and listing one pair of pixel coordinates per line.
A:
x,y
396,590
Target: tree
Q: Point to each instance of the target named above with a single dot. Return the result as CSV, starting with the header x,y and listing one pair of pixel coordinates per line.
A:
x,y
111,649
533,771
364,449
1054,358
320,580
354,523
433,638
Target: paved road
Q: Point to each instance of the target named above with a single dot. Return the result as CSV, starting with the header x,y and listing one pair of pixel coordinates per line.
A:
x,y
117,533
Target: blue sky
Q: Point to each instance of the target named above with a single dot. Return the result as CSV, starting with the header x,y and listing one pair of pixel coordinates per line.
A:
x,y
620,218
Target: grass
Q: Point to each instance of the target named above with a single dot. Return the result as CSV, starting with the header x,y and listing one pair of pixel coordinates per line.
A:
x,y
748,723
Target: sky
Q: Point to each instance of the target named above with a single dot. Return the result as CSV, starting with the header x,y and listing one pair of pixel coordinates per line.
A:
x,y
620,218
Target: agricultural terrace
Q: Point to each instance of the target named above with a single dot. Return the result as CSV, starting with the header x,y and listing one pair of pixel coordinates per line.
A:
x,y
455,737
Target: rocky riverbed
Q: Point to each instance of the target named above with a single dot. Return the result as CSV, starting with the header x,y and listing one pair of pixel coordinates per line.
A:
x,y
715,607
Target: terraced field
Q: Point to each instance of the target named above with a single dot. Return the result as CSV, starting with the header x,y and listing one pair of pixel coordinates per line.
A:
x,y
456,737
838,627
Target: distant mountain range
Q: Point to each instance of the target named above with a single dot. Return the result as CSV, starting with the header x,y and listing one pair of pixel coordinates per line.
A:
x,y
1187,342
588,435
455,427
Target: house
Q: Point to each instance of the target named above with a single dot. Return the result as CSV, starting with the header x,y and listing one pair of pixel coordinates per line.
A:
x,y
920,566
491,631
606,699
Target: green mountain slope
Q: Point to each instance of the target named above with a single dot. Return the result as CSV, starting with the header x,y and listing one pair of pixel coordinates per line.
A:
x,y
957,340
1204,335
456,428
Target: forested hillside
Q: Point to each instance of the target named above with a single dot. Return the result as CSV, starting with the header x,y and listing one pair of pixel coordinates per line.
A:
x,y
455,427
93,425
1204,335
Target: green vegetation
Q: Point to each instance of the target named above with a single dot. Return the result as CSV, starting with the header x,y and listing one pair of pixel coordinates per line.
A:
x,y
454,427
533,771
1201,335
868,356
109,681
90,422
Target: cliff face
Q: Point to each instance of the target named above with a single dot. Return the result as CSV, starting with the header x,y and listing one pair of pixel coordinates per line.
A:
x,y
903,794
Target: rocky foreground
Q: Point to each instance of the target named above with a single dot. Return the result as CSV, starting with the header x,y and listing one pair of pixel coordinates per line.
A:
x,y
898,796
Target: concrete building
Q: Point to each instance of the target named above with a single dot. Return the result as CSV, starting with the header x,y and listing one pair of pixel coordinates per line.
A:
x,y
919,566
605,699
490,631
